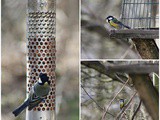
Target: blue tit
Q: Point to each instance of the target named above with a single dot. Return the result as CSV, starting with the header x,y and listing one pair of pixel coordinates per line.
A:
x,y
37,94
121,103
115,23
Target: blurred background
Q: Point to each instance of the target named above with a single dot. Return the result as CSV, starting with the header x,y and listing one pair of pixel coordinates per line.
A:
x,y
96,42
14,58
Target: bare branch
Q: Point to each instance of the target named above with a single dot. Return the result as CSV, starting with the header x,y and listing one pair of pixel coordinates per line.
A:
x,y
103,117
121,113
131,68
127,51
148,93
147,48
101,108
136,110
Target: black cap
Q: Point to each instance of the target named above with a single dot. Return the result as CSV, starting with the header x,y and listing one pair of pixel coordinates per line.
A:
x,y
43,77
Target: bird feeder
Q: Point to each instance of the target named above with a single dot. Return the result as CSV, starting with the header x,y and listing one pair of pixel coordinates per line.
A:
x,y
140,13
41,50
142,16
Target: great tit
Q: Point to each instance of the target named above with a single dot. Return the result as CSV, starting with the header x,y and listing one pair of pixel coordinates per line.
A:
x,y
121,103
115,23
37,94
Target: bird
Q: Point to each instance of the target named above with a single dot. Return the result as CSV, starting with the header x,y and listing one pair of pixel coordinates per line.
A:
x,y
115,23
37,94
121,103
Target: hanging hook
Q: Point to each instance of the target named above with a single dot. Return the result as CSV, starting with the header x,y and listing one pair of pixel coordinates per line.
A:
x,y
42,3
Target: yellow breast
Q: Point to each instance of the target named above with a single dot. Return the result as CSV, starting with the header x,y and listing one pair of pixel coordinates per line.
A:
x,y
121,105
114,25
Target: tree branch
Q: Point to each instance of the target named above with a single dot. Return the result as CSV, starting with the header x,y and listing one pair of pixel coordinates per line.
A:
x,y
147,48
103,117
101,108
118,117
148,93
136,111
131,68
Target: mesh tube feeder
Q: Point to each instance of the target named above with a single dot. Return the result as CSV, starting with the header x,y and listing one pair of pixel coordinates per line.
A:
x,y
41,44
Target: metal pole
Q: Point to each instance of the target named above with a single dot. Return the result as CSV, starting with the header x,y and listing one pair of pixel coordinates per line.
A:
x,y
41,27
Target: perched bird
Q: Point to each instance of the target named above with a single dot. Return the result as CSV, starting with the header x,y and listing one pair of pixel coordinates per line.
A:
x,y
115,23
121,103
37,94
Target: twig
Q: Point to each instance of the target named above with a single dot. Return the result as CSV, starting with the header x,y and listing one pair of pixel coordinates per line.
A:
x,y
119,79
136,110
121,113
95,101
128,105
92,98
127,51
103,117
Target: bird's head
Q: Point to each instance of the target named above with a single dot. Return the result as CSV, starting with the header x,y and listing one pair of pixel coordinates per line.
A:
x,y
109,18
43,78
121,100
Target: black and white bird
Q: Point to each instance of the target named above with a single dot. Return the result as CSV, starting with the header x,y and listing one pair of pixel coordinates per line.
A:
x,y
115,23
37,94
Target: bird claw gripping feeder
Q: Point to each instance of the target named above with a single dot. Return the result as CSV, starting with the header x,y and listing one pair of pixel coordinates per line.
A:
x,y
41,28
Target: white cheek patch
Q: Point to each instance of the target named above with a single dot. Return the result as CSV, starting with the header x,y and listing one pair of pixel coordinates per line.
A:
x,y
110,18
39,80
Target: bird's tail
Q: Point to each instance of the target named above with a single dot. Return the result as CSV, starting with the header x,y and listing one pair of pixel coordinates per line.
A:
x,y
21,108
126,26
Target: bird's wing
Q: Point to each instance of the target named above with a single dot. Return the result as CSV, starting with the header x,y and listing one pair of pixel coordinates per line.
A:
x,y
34,102
120,23
116,21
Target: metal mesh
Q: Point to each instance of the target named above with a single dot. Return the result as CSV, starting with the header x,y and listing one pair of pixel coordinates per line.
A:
x,y
41,58
41,53
140,13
